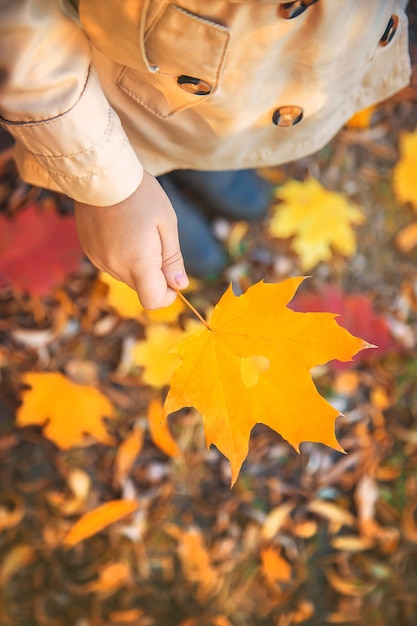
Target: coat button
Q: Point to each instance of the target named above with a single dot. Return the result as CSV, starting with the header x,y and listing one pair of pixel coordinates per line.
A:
x,y
193,85
390,31
287,116
289,10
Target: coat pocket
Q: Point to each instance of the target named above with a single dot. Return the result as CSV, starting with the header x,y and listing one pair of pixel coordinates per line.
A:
x,y
186,54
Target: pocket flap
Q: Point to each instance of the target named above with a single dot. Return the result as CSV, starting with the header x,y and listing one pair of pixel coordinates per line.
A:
x,y
181,43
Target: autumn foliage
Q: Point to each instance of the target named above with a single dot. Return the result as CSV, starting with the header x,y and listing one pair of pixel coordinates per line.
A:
x,y
37,250
122,430
252,364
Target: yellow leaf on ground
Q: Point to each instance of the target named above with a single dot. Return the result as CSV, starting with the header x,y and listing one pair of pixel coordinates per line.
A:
x,y
167,314
351,543
331,511
125,302
66,410
155,356
281,395
94,521
362,119
159,430
319,220
275,568
122,298
275,519
404,174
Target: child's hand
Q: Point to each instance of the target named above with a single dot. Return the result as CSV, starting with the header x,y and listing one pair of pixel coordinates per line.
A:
x,y
136,241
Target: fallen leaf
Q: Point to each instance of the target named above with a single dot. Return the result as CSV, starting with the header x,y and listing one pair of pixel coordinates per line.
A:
x,y
409,521
111,577
348,586
404,174
122,298
80,484
379,398
346,383
406,239
195,558
275,519
359,318
159,430
320,221
155,354
303,612
305,529
19,556
127,454
352,543
284,397
37,250
235,240
94,521
275,568
387,537
336,514
167,314
366,497
221,620
67,411
127,616
362,119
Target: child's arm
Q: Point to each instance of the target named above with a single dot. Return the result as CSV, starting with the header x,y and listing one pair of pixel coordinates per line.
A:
x,y
51,101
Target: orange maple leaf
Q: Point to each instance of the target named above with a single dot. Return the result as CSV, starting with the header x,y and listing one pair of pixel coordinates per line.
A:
x,y
252,364
66,410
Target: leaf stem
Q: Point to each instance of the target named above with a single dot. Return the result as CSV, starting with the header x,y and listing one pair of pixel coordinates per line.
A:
x,y
193,309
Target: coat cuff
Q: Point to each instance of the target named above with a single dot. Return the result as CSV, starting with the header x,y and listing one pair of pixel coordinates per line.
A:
x,y
85,150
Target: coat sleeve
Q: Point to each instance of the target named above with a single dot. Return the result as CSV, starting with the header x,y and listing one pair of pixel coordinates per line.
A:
x,y
52,102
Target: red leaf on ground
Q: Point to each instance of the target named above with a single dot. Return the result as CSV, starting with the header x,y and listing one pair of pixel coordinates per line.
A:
x,y
37,250
357,315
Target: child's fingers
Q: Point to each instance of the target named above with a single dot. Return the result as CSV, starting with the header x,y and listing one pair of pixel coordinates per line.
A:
x,y
160,270
174,270
154,293
151,286
172,262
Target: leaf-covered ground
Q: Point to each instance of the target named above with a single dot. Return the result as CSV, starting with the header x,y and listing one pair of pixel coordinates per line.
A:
x,y
316,538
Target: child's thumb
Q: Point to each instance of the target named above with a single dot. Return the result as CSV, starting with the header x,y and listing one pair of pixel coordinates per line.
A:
x,y
174,269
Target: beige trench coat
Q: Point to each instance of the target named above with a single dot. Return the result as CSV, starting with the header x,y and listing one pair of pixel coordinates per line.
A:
x,y
94,97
